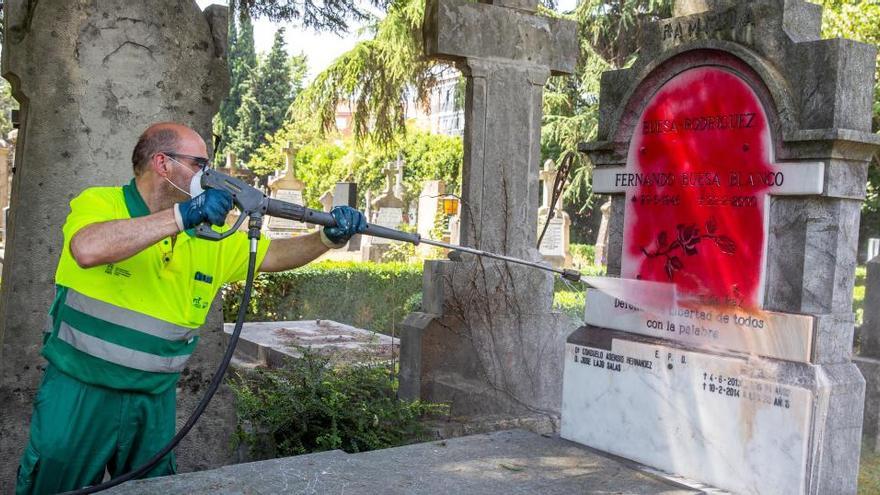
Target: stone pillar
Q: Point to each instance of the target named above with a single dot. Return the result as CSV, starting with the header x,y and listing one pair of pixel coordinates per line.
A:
x,y
486,339
90,77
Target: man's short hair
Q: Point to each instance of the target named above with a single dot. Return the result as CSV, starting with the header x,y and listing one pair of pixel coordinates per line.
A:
x,y
154,140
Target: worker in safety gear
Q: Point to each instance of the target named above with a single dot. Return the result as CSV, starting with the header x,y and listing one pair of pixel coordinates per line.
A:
x,y
133,286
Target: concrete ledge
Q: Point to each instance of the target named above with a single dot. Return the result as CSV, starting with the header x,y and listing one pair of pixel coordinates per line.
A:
x,y
508,462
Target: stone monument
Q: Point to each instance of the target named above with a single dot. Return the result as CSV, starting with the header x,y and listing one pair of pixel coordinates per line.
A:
x,y
90,77
386,211
736,151
486,340
286,187
555,243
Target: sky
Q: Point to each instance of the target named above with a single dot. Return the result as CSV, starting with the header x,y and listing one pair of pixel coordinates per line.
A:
x,y
320,48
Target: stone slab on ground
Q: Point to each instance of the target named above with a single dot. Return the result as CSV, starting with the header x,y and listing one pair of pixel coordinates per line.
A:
x,y
507,462
270,343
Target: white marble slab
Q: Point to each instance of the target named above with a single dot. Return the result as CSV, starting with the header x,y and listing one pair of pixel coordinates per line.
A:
x,y
720,420
762,333
553,242
799,178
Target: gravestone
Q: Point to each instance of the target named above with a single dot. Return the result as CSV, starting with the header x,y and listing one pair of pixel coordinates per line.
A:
x,y
90,77
736,151
555,243
386,211
286,187
601,252
486,339
429,208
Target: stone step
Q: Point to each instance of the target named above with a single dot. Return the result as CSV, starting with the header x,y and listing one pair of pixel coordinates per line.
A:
x,y
506,462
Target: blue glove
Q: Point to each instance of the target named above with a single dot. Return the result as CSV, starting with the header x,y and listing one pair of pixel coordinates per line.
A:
x,y
348,223
210,206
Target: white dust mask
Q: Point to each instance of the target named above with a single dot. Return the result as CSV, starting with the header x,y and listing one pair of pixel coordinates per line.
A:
x,y
195,183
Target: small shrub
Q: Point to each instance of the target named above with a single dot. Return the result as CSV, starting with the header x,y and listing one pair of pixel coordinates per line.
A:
x,y
310,406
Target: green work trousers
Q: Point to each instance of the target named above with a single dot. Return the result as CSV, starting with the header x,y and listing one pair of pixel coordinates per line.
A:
x,y
78,430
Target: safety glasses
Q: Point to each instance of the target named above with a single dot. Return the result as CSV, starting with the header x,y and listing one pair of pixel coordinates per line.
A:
x,y
199,161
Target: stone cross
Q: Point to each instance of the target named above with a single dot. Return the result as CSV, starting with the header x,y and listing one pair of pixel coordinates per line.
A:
x,y
506,53
289,155
548,180
390,172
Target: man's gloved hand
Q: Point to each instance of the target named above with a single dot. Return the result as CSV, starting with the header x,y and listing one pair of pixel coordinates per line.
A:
x,y
349,222
211,206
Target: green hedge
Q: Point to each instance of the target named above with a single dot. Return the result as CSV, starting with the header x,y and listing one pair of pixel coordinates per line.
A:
x,y
375,296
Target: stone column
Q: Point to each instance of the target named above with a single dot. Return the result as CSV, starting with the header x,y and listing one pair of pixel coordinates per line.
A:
x,y
90,77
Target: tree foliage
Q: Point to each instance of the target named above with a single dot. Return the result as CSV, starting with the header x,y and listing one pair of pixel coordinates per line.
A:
x,y
242,61
269,92
324,15
376,76
860,21
323,160
608,32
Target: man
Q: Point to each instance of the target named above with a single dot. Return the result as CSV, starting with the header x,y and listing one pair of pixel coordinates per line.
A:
x,y
133,286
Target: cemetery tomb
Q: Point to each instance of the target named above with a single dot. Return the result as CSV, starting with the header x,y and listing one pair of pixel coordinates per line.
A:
x,y
723,187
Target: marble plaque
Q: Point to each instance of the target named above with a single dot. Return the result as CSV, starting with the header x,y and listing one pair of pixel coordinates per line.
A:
x,y
291,196
760,333
552,243
387,217
736,424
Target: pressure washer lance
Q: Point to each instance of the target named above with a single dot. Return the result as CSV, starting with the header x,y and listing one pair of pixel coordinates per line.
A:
x,y
251,200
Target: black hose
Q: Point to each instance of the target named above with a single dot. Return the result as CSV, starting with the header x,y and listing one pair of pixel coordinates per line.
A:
x,y
200,408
